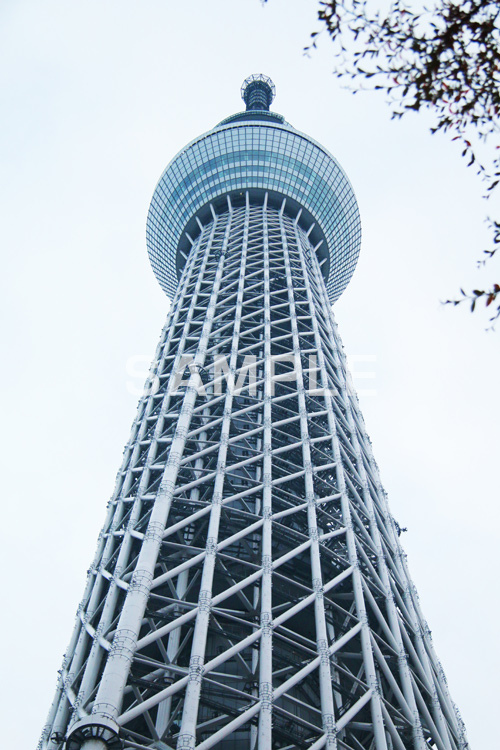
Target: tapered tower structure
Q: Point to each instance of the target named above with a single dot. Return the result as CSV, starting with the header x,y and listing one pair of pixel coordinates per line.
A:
x,y
249,591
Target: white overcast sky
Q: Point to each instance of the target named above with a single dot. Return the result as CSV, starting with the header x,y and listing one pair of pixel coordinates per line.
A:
x,y
95,98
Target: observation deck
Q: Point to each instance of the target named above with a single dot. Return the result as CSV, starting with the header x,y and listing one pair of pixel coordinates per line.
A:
x,y
258,152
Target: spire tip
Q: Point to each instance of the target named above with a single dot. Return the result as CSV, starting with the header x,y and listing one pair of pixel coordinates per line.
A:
x,y
258,92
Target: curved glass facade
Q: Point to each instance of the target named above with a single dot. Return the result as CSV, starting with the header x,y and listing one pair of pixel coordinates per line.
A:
x,y
268,155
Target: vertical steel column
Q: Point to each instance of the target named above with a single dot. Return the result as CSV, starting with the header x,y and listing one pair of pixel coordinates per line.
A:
x,y
409,705
368,658
431,677
266,614
325,677
109,696
187,735
76,653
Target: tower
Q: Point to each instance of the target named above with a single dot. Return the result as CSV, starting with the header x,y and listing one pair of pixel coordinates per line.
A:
x,y
249,591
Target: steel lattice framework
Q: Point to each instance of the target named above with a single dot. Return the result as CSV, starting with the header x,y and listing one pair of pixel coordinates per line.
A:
x,y
249,590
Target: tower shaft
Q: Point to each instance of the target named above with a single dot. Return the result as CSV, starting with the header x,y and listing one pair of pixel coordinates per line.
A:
x,y
249,590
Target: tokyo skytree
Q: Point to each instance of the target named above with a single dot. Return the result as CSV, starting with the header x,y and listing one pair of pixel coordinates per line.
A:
x,y
249,590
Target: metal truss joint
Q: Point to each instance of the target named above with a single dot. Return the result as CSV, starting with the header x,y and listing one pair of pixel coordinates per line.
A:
x,y
94,734
205,601
266,696
196,668
186,742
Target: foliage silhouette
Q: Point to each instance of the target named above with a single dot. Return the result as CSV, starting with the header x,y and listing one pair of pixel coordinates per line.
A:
x,y
445,59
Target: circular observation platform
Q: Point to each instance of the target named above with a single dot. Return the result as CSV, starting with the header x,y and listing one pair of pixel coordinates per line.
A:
x,y
257,152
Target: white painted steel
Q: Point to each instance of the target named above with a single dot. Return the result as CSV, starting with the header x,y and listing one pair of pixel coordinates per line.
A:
x,y
249,590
